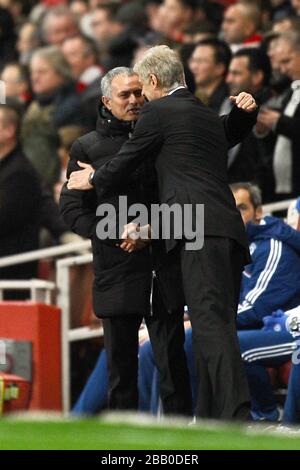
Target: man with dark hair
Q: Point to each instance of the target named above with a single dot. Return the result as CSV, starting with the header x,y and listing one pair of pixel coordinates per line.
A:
x,y
209,64
82,55
250,70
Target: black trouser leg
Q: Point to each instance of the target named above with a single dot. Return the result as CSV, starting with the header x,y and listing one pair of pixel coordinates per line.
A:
x,y
121,344
211,279
167,337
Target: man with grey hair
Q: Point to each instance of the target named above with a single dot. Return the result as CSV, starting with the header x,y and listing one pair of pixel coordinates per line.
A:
x,y
122,287
189,143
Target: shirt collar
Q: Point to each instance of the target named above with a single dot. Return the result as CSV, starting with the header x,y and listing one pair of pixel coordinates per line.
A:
x,y
175,89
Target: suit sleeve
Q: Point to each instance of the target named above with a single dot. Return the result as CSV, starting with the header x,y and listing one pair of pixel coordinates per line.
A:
x,y
289,127
145,142
270,287
78,208
238,124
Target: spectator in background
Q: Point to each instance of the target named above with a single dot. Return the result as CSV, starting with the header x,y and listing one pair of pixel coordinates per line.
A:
x,y
7,38
20,197
56,105
241,25
58,25
16,79
285,124
209,64
79,8
249,70
82,55
296,6
176,16
28,41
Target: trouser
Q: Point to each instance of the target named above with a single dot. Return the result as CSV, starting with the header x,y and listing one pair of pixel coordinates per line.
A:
x,y
166,334
291,413
211,280
261,349
149,377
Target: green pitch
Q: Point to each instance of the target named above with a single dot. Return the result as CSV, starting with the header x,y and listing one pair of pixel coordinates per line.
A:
x,y
97,434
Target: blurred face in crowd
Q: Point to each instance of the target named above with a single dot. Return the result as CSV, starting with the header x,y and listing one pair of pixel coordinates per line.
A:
x,y
15,85
74,50
79,8
204,67
127,99
281,26
288,59
241,78
296,6
236,26
60,28
246,208
102,26
26,41
174,15
44,79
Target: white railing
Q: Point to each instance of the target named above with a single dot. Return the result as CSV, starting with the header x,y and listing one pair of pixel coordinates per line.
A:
x,y
277,206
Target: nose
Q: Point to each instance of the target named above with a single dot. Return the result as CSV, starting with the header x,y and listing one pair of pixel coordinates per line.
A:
x,y
132,99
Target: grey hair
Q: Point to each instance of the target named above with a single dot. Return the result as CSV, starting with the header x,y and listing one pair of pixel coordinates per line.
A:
x,y
165,64
55,58
253,190
292,37
107,79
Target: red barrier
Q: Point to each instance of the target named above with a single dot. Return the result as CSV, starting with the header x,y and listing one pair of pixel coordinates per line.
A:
x,y
39,324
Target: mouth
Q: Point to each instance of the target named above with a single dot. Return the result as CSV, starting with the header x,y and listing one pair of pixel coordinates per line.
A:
x,y
134,110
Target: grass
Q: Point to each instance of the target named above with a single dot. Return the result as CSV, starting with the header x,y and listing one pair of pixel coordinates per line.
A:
x,y
95,434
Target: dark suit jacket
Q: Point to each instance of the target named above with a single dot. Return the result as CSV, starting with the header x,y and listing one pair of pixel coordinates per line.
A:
x,y
189,144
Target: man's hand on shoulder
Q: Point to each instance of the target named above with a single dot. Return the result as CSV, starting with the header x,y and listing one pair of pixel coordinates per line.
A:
x,y
244,101
81,179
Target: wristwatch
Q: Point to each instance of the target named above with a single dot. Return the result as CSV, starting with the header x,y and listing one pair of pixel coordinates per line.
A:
x,y
91,178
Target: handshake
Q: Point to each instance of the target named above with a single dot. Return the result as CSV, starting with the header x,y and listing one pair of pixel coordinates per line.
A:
x,y
135,237
284,321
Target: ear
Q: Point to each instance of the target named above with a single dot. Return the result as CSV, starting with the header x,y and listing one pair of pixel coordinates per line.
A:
x,y
153,80
106,101
258,214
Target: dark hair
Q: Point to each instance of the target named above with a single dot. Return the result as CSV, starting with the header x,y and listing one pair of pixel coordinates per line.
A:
x,y
222,51
253,190
257,60
111,9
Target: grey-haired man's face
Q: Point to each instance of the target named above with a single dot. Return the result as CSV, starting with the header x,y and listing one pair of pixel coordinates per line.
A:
x,y
126,98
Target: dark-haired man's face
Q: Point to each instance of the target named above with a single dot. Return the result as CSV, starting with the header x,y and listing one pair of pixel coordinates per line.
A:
x,y
74,52
239,77
246,208
204,67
